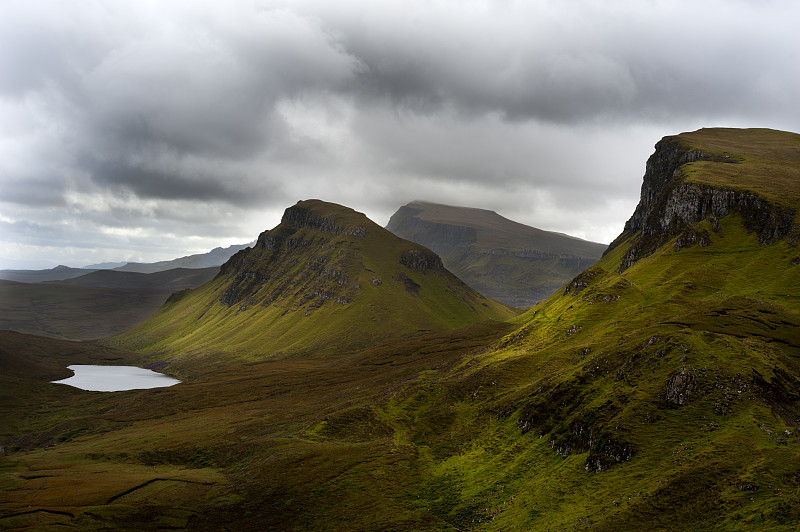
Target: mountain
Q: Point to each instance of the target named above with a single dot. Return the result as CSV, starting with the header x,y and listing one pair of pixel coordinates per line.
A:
x,y
326,278
104,265
38,276
215,257
502,259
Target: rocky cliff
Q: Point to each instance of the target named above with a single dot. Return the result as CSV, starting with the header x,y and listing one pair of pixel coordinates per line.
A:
x,y
671,204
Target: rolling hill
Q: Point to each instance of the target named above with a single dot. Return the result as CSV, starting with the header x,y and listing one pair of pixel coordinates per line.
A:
x,y
502,259
94,305
326,278
175,279
657,390
37,276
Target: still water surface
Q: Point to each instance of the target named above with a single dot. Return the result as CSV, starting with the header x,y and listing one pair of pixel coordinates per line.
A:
x,y
115,378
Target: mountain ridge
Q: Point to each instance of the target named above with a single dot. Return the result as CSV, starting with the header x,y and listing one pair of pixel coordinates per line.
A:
x,y
503,259
215,257
324,270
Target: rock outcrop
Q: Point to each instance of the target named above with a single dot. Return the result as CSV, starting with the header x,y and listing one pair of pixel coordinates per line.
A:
x,y
671,206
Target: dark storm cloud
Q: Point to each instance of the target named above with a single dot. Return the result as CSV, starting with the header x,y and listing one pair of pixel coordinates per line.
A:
x,y
571,62
120,122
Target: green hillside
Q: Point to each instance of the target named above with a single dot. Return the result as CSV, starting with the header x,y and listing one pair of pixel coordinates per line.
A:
x,y
326,278
502,259
657,390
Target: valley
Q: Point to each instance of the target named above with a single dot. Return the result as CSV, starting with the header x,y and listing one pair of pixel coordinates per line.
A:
x,y
337,377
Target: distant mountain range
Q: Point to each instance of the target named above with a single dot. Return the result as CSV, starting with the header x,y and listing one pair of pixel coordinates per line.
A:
x,y
213,258
502,259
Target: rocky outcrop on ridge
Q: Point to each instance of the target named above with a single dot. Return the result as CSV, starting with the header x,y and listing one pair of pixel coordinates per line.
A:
x,y
671,206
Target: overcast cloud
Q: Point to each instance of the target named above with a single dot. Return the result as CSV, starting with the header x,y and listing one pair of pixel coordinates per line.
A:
x,y
150,130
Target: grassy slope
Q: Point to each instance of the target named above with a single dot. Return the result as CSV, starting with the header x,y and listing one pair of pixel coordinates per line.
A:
x,y
273,320
769,161
586,380
723,459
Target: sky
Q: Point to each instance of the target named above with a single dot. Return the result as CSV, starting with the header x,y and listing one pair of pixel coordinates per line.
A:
x,y
149,130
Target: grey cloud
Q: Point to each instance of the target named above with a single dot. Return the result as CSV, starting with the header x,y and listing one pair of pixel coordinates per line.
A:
x,y
581,61
209,119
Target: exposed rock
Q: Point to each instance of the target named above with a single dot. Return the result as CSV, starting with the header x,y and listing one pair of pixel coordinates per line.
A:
x,y
679,388
589,432
421,261
606,453
670,206
689,237
410,285
300,217
581,281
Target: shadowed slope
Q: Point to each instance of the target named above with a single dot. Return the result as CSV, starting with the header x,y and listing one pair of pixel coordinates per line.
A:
x,y
505,260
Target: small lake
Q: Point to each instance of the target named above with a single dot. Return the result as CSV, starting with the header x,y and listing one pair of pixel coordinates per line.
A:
x,y
115,378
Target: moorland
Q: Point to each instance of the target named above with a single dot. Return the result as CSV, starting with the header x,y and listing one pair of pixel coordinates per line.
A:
x,y
337,377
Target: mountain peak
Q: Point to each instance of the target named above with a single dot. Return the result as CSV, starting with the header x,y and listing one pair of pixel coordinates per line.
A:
x,y
503,259
326,278
326,217
705,175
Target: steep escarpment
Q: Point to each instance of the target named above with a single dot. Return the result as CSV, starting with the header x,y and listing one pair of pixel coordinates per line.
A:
x,y
326,278
505,260
672,203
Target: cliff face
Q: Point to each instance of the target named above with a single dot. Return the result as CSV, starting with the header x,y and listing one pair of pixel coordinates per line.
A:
x,y
671,205
312,257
